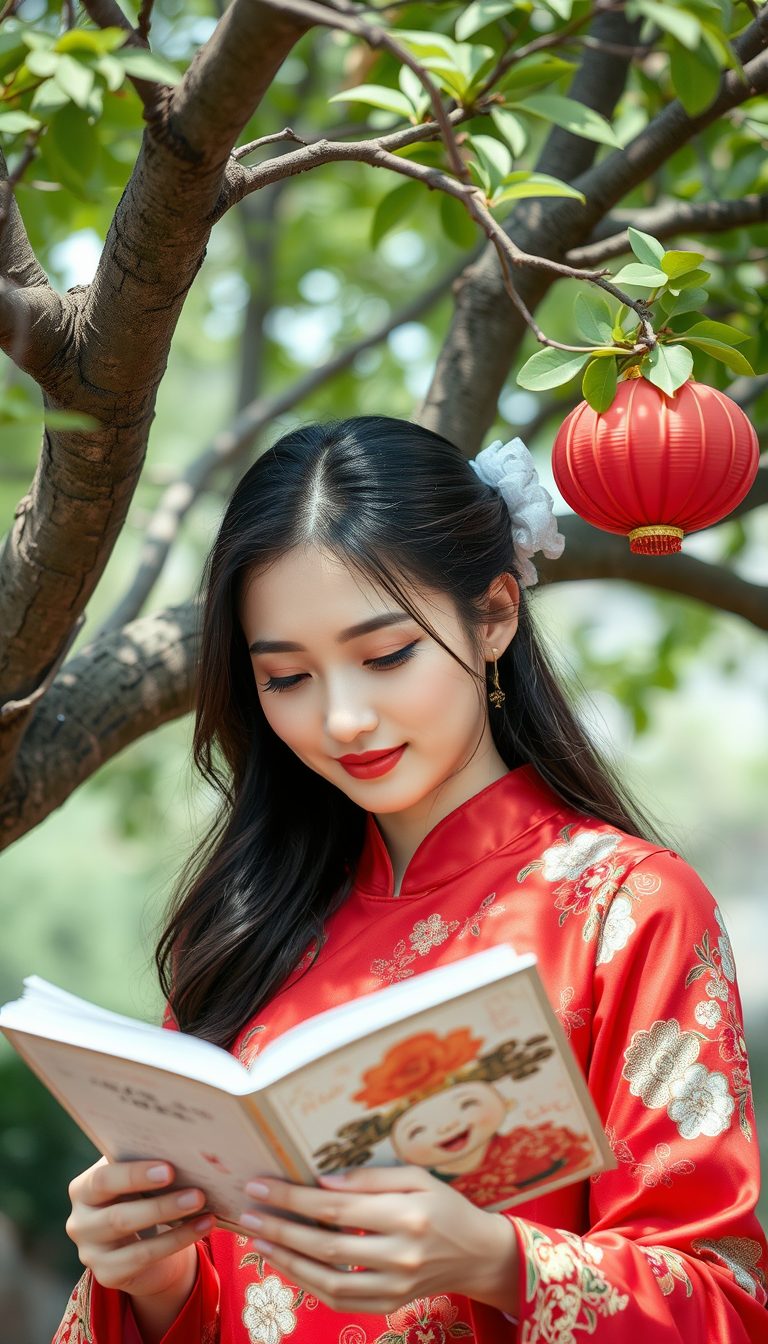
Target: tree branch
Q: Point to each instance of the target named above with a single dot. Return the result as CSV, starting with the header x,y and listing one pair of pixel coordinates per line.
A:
x,y
592,554
114,691
666,221
232,443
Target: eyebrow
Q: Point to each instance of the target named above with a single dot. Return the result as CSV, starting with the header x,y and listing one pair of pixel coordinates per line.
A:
x,y
380,622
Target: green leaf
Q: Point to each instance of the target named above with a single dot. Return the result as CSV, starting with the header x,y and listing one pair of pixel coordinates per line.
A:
x,y
560,7
690,280
111,71
668,367
733,359
95,42
43,63
572,116
146,65
522,184
536,69
414,90
688,302
460,73
71,149
679,22
675,264
456,223
647,249
14,123
550,368
599,383
13,49
593,317
74,79
717,331
512,129
377,95
494,155
392,208
49,98
695,76
639,275
477,15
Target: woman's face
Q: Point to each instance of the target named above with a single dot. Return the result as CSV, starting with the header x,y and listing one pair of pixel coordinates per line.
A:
x,y
450,1132
357,689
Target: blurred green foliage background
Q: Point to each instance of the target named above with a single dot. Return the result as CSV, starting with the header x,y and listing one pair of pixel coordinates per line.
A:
x,y
677,691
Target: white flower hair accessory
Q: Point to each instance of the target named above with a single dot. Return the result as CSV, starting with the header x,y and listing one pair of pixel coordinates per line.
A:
x,y
508,468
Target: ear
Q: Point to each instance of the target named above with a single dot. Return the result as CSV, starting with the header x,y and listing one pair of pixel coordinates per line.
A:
x,y
502,603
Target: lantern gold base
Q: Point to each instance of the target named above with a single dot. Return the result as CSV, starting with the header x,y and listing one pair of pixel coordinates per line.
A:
x,y
661,539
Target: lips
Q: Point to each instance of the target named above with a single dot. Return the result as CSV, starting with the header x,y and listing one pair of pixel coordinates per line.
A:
x,y
455,1144
370,764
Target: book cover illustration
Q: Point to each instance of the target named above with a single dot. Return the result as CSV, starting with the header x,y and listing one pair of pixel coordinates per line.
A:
x,y
484,1101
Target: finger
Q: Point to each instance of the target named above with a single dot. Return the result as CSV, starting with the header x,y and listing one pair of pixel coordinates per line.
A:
x,y
106,1181
117,1267
115,1222
370,1212
331,1248
338,1288
376,1180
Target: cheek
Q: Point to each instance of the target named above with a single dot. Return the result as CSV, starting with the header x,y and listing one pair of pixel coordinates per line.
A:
x,y
421,1151
436,692
289,716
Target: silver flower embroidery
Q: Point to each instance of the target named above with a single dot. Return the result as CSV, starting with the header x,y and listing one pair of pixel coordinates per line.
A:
x,y
267,1315
708,1013
726,951
656,1058
616,930
741,1255
701,1103
431,932
568,859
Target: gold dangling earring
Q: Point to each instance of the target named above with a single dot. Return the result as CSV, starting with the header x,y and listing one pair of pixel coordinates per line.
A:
x,y
496,695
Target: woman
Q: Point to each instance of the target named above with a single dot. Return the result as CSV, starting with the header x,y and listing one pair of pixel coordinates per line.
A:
x,y
403,784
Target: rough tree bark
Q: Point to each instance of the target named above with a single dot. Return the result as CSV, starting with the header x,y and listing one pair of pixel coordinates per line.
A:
x,y
102,350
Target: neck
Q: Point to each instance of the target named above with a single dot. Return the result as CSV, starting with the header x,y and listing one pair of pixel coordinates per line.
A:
x,y
404,831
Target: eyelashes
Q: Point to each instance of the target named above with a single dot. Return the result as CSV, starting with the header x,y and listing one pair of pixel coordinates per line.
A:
x,y
382,664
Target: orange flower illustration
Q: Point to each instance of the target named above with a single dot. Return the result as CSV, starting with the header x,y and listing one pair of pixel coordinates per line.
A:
x,y
417,1066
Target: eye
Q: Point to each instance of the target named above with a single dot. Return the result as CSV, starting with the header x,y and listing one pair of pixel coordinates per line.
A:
x,y
414,1133
282,683
392,659
469,1101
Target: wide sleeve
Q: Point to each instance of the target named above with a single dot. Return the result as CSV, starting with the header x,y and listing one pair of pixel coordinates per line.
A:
x,y
97,1315
674,1251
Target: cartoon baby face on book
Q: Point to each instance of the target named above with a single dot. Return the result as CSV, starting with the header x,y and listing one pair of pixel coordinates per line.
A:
x,y
436,1100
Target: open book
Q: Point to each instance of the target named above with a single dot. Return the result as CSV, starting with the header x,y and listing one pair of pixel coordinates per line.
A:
x,y
463,1070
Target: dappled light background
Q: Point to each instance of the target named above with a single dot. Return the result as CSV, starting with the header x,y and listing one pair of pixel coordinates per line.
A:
x,y
676,692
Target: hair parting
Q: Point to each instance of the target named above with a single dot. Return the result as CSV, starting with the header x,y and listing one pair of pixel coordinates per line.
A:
x,y
401,505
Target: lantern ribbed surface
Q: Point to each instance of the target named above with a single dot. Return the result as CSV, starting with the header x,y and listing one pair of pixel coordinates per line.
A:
x,y
656,466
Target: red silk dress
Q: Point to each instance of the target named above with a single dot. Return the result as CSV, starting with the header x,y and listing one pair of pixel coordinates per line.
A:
x,y
637,963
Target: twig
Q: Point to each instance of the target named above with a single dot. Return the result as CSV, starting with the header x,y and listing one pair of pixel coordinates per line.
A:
x,y
287,134
667,220
145,19
9,184
543,43
68,8
229,446
8,9
13,708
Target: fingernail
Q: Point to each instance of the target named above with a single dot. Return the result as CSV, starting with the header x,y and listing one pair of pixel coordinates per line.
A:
x,y
333,1180
159,1174
203,1224
265,1246
257,1190
189,1200
250,1220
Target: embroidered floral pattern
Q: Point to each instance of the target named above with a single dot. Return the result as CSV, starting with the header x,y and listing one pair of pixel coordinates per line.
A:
x,y
428,1320
618,925
486,908
667,1267
659,1172
76,1325
718,965
701,1103
352,1334
567,1287
741,1255
656,1058
570,1019
429,933
269,1313
397,968
248,1048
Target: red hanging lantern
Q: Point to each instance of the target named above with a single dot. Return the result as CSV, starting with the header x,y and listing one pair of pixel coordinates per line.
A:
x,y
655,467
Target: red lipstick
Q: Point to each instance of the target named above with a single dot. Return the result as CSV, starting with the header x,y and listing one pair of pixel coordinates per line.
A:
x,y
370,764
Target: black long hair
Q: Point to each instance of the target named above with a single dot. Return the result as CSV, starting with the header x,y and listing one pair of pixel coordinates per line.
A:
x,y
402,506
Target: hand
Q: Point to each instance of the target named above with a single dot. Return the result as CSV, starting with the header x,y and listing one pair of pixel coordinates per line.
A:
x,y
107,1215
422,1238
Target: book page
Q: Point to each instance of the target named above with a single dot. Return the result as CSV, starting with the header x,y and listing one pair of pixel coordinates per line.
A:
x,y
132,1111
481,1091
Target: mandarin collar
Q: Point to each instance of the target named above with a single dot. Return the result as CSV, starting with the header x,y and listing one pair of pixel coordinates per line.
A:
x,y
484,824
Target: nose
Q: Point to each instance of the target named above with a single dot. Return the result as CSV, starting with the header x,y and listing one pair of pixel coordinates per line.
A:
x,y
346,716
